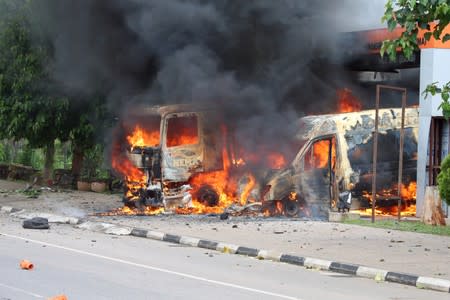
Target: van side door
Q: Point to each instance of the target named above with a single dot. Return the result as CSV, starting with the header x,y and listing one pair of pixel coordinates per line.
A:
x,y
317,175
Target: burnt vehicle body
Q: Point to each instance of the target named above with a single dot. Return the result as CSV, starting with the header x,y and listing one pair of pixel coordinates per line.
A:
x,y
334,163
187,141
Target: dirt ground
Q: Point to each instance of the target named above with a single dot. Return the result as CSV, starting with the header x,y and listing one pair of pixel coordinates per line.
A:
x,y
414,253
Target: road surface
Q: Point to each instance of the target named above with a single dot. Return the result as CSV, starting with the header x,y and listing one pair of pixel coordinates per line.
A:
x,y
87,265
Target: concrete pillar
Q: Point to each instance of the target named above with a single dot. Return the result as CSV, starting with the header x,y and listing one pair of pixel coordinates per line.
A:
x,y
422,160
434,67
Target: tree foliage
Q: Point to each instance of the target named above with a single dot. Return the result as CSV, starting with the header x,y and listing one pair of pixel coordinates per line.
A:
x,y
28,108
412,15
33,106
432,16
443,180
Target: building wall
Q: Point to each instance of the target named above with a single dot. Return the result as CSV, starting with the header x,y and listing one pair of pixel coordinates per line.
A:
x,y
434,67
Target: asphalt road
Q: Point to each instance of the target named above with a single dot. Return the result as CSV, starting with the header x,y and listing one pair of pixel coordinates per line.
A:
x,y
87,265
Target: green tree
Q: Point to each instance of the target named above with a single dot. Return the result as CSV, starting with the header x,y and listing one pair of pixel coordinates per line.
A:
x,y
90,119
432,16
444,180
32,105
29,109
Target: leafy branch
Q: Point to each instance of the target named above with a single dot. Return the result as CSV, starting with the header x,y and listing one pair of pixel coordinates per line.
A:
x,y
430,16
433,89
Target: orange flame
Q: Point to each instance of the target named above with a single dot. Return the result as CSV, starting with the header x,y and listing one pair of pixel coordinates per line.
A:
x,y
221,186
135,178
409,191
276,160
247,189
408,211
292,196
182,140
182,131
128,169
321,153
125,210
219,182
347,102
407,194
139,137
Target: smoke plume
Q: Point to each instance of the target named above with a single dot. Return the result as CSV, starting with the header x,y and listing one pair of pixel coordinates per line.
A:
x,y
262,63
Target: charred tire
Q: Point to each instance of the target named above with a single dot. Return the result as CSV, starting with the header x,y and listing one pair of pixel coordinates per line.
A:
x,y
133,203
291,208
127,202
207,196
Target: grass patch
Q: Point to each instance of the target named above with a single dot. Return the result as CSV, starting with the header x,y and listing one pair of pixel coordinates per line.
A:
x,y
412,226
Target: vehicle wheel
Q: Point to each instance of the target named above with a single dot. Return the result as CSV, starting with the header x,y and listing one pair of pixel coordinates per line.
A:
x,y
207,196
291,208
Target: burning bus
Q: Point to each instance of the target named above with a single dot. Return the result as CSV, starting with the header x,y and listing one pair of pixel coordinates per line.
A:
x,y
336,157
182,158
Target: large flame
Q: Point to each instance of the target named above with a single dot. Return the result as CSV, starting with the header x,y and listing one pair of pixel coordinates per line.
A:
x,y
219,182
347,102
211,192
182,131
409,191
140,137
134,177
321,151
407,195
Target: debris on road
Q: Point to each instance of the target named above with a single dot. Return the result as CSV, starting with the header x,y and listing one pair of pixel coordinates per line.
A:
x,y
224,216
36,223
26,265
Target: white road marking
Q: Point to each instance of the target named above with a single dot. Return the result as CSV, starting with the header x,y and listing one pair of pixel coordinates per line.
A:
x,y
118,260
22,291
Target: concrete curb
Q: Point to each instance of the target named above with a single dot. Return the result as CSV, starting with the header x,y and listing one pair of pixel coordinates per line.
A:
x,y
421,282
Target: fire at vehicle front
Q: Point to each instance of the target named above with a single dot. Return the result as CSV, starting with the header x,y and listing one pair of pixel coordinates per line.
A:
x,y
307,185
182,159
192,144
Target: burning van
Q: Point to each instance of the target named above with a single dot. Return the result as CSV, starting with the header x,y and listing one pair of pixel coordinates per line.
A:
x,y
180,158
333,168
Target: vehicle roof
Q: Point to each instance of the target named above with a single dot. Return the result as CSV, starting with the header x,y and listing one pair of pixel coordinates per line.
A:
x,y
145,109
390,118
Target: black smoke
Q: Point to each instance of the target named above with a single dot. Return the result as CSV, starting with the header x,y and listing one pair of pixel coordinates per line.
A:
x,y
262,63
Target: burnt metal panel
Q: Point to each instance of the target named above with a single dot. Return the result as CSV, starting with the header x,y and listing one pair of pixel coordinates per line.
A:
x,y
212,142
